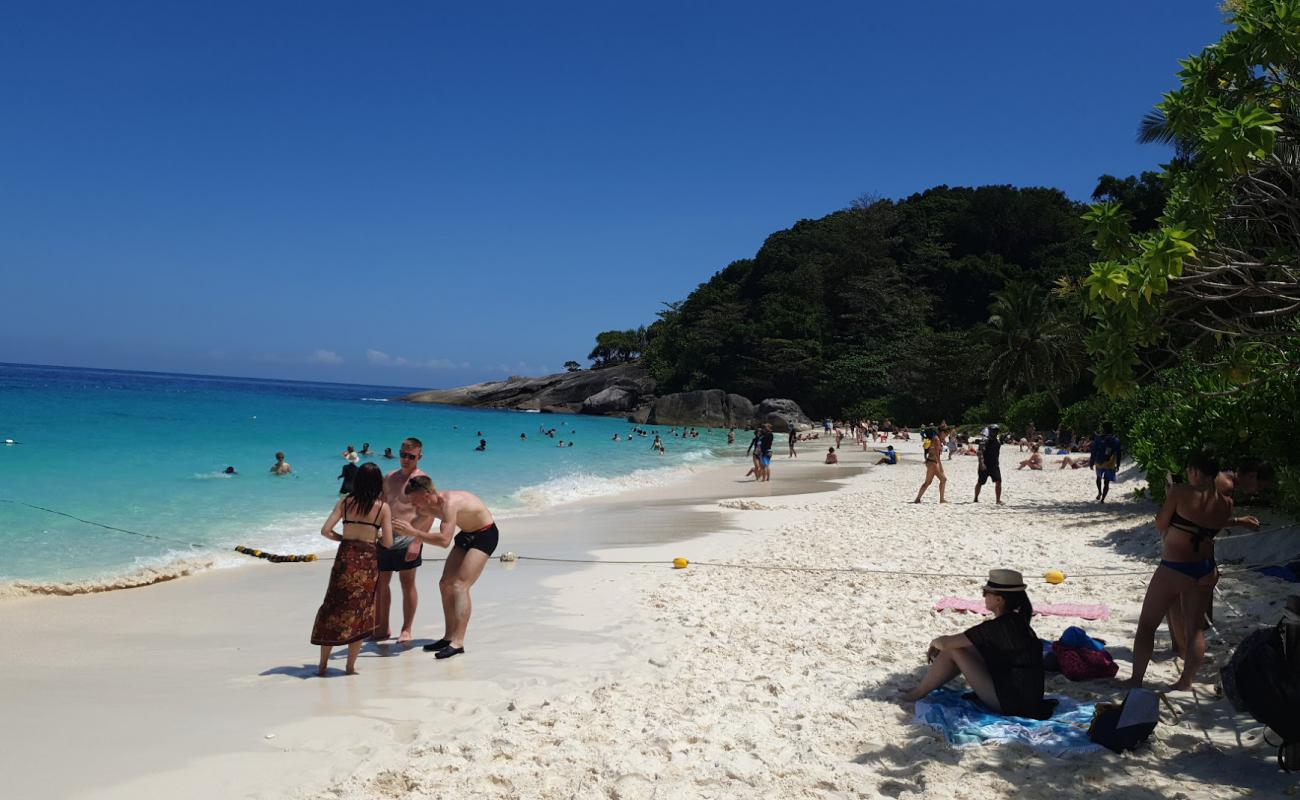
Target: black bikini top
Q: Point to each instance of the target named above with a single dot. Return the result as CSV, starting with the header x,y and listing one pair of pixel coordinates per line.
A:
x,y
1197,532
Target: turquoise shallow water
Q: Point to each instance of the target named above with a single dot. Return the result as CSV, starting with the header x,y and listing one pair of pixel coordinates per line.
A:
x,y
145,452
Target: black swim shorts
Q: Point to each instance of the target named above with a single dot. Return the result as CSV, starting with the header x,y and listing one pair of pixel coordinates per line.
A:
x,y
993,473
485,540
393,559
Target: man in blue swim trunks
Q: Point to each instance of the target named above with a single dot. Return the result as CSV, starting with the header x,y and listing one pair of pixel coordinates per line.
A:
x,y
765,440
1104,457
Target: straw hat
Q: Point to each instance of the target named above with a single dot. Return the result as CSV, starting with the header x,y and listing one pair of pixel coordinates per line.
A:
x,y
1005,580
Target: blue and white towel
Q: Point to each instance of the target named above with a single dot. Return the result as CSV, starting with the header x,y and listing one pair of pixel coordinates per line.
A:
x,y
966,722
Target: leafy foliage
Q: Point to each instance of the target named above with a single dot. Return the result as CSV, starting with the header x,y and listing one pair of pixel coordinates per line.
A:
x,y
617,347
884,303
1221,269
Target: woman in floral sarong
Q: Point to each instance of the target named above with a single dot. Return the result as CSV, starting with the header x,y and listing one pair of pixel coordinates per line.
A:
x,y
348,613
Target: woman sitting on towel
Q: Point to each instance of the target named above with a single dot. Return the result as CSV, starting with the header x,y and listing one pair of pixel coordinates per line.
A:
x,y
1001,659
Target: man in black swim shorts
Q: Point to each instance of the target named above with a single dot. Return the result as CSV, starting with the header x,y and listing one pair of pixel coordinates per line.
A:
x,y
470,550
404,557
989,451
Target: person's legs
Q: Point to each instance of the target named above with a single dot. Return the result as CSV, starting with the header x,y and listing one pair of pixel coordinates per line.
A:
x,y
997,491
1098,485
929,478
1195,603
410,601
979,484
965,661
977,676
1161,593
383,604
942,669
943,481
354,649
324,659
1105,488
456,581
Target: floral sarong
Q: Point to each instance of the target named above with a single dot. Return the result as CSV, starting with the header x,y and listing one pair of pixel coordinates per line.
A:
x,y
348,613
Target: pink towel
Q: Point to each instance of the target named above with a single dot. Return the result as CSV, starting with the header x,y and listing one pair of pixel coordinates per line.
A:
x,y
1045,609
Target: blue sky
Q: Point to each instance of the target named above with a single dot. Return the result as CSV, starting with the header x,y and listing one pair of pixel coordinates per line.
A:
x,y
431,194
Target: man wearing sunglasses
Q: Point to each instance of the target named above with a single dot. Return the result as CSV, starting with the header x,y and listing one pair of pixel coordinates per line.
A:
x,y
404,556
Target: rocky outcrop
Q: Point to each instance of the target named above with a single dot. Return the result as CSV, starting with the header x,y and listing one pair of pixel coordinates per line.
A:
x,y
716,408
624,390
782,414
614,400
563,392
709,407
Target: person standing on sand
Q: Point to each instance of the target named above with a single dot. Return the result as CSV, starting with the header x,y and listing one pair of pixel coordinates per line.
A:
x,y
933,448
794,437
990,469
472,548
347,615
765,439
1104,457
1192,515
403,555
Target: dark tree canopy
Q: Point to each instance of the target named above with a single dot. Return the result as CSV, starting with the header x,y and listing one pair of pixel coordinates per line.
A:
x,y
885,301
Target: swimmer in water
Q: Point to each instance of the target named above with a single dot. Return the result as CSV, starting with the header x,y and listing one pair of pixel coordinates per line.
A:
x,y
388,452
230,471
365,449
482,445
280,467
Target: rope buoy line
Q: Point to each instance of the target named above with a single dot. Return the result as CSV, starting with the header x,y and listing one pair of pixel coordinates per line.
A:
x,y
677,563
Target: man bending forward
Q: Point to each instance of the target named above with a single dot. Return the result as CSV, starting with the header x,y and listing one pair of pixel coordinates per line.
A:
x,y
473,547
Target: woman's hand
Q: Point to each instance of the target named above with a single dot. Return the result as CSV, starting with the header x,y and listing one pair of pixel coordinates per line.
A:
x,y
933,652
1247,522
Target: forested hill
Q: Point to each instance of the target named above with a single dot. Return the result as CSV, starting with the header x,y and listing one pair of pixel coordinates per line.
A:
x,y
877,310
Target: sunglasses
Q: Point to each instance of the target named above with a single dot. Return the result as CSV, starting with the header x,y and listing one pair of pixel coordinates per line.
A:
x,y
408,454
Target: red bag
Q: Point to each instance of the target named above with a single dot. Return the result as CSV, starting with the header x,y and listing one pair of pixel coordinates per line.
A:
x,y
1084,663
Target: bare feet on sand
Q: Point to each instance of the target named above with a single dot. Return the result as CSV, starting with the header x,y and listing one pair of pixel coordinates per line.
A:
x,y
404,637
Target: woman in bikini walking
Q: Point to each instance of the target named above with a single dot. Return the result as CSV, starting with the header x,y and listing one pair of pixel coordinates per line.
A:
x,y
933,466
1193,514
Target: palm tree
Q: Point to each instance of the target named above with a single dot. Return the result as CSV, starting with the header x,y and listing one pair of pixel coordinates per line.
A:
x,y
1036,345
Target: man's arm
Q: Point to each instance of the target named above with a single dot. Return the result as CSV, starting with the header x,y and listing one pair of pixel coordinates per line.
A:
x,y
446,531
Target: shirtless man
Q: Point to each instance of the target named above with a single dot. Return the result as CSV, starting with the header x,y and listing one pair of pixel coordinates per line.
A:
x,y
281,467
404,556
472,548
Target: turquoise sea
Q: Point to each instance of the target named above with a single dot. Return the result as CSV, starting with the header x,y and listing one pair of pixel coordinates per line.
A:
x,y
146,452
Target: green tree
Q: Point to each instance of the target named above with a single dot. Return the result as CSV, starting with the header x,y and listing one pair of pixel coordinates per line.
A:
x,y
1035,343
572,366
1220,274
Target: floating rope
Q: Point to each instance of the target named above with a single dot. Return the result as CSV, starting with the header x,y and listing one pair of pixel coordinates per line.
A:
x,y
272,557
677,563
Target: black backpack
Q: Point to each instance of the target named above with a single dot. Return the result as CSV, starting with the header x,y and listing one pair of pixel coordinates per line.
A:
x,y
1263,679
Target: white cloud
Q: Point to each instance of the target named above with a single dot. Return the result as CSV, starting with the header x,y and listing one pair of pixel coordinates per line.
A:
x,y
382,359
325,357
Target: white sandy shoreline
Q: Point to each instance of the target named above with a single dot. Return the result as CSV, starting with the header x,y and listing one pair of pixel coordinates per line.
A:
x,y
642,681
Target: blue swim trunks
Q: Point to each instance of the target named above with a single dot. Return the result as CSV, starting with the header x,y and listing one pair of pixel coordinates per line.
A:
x,y
767,459
1106,474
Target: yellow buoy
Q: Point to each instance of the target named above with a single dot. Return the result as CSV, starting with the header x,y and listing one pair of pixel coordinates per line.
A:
x,y
1054,577
680,563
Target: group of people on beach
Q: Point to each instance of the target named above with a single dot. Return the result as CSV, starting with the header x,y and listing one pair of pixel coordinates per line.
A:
x,y
386,521
1002,659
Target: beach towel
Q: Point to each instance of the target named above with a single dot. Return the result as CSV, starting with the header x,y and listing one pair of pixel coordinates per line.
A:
x,y
1077,610
969,722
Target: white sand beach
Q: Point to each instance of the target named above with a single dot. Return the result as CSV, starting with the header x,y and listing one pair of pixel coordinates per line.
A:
x,y
634,681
